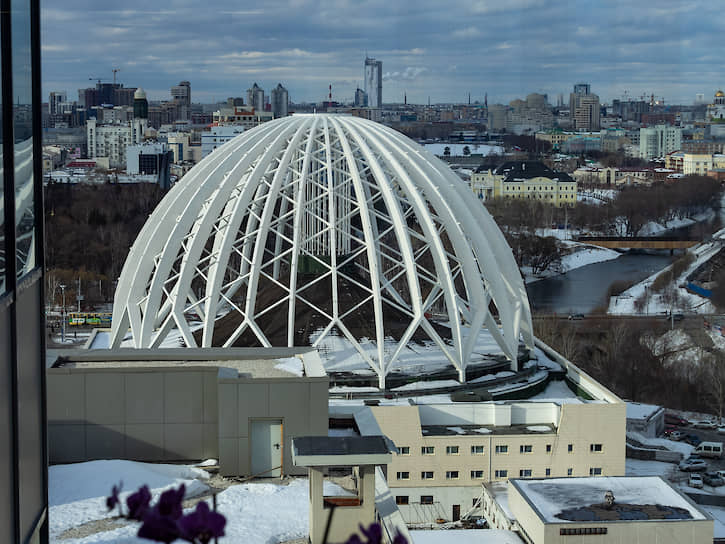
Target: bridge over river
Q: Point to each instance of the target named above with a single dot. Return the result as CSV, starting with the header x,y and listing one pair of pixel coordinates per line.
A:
x,y
638,242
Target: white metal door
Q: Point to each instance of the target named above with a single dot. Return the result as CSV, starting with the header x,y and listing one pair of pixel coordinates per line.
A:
x,y
267,448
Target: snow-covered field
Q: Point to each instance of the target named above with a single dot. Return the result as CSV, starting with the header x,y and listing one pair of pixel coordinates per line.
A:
x,y
457,149
257,513
624,304
578,255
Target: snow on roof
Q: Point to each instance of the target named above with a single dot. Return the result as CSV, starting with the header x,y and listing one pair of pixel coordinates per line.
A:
x,y
550,496
635,410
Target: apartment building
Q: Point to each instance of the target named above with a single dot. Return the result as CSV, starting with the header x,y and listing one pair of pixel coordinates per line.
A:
x,y
446,452
525,180
659,140
111,140
244,116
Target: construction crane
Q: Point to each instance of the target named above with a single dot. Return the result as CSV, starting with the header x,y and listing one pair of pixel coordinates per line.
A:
x,y
115,71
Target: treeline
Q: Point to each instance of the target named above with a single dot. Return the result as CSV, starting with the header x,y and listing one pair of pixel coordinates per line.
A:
x,y
637,362
89,231
632,208
688,196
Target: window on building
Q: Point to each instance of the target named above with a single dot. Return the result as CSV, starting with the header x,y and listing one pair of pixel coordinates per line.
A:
x,y
548,448
570,448
548,472
569,471
595,471
525,448
502,448
477,475
501,473
401,499
451,450
426,499
476,450
403,475
525,473
595,448
426,475
404,450
428,450
451,475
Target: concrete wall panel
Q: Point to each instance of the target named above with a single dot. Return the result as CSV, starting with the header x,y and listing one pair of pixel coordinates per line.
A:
x,y
144,397
104,441
183,441
104,396
210,408
227,405
66,401
210,440
183,397
145,441
229,457
253,401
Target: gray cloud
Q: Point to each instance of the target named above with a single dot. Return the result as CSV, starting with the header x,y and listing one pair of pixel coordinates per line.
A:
x,y
507,49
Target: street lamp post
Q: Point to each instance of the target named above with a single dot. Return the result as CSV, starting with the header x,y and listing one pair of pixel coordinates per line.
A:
x,y
62,316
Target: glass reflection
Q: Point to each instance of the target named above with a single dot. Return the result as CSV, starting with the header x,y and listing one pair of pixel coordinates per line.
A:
x,y
23,136
2,202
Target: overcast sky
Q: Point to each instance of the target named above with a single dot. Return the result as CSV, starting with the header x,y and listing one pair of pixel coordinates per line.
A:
x,y
438,49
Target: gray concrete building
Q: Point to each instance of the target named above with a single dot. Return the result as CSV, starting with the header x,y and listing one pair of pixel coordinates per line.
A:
x,y
241,406
280,101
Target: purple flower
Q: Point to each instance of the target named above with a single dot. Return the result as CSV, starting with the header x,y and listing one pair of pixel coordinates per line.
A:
x,y
158,527
112,501
374,533
399,539
202,524
169,504
138,503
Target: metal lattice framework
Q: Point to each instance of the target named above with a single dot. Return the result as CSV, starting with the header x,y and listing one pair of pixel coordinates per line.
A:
x,y
329,202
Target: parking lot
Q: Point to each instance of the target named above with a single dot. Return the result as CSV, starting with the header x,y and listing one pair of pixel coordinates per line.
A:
x,y
713,465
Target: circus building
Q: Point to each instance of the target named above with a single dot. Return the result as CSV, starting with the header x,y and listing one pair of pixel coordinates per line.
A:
x,y
330,231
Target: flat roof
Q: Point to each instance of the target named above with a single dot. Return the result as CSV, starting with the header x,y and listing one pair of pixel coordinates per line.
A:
x,y
342,450
252,363
637,498
478,430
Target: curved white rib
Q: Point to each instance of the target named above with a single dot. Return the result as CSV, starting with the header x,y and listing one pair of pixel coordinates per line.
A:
x,y
361,204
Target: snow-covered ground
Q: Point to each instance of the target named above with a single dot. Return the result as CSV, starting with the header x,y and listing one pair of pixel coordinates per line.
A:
x,y
624,303
257,513
457,149
578,255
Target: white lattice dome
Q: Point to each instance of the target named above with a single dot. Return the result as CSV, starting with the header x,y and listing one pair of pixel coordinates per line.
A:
x,y
315,223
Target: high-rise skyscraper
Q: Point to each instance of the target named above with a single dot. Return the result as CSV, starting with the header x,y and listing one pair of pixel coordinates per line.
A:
x,y
584,108
140,104
280,101
255,97
181,96
361,98
55,100
374,82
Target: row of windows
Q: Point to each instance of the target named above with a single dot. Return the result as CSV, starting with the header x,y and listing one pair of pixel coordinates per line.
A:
x,y
500,449
540,188
501,473
430,475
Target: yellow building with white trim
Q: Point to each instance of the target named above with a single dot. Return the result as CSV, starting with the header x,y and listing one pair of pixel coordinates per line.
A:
x,y
531,180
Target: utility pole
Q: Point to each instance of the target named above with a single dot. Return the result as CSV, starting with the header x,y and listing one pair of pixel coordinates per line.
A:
x,y
79,297
62,315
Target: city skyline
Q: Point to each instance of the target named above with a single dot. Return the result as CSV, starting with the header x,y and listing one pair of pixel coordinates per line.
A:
x,y
435,51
